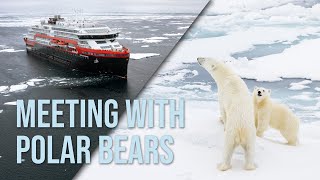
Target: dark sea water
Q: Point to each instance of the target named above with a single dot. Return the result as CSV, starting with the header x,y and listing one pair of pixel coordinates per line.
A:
x,y
58,83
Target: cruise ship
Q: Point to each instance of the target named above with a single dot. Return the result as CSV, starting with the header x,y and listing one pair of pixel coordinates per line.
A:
x,y
78,44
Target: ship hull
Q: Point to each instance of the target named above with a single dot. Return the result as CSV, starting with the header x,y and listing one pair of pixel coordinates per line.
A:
x,y
97,65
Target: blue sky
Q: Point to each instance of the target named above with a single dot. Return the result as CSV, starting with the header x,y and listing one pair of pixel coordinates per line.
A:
x,y
89,6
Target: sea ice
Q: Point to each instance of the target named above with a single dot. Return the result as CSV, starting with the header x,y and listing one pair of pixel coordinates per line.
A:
x,y
183,27
231,6
36,80
137,56
300,85
302,97
19,87
10,50
198,149
12,103
197,86
152,39
30,83
173,34
3,89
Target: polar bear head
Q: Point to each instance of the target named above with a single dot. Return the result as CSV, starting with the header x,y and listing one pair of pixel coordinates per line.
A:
x,y
260,93
217,68
209,64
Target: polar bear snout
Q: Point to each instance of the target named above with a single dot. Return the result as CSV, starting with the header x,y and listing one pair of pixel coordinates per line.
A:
x,y
259,93
200,60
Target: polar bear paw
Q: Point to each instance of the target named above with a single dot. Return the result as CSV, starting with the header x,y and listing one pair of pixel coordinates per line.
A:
x,y
250,167
292,143
259,134
223,166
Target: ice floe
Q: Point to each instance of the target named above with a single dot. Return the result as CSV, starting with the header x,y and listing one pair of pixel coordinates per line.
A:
x,y
137,56
183,27
300,85
197,86
232,6
19,87
250,24
12,103
173,34
151,39
10,50
291,63
302,97
178,75
3,89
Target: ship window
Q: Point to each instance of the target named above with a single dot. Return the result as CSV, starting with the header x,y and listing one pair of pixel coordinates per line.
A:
x,y
100,42
105,47
83,42
109,36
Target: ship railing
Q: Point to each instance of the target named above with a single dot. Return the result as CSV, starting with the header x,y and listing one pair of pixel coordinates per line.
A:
x,y
125,49
84,46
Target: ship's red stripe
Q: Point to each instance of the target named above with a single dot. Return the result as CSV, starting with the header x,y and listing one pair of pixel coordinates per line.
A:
x,y
91,52
97,56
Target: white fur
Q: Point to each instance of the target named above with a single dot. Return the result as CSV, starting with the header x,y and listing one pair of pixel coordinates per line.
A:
x,y
236,110
278,116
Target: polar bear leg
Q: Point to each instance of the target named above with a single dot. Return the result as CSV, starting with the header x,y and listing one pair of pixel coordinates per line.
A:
x,y
229,146
223,116
255,117
263,123
291,137
249,153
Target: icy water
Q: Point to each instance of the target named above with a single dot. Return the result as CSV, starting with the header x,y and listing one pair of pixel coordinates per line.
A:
x,y
26,77
261,50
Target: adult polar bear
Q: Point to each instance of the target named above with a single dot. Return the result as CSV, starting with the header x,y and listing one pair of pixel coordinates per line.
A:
x,y
236,112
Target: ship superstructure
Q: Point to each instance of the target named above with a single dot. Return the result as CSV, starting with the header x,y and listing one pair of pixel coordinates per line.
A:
x,y
79,44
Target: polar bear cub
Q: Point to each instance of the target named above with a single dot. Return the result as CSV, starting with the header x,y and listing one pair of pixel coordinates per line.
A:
x,y
237,112
275,115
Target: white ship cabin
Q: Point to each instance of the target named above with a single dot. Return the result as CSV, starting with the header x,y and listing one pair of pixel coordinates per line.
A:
x,y
87,34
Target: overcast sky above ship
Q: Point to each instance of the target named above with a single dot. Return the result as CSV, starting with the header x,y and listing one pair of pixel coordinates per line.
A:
x,y
112,6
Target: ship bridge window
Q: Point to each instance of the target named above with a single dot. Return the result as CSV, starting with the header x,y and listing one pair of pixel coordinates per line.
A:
x,y
101,42
66,30
109,36
97,30
116,46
